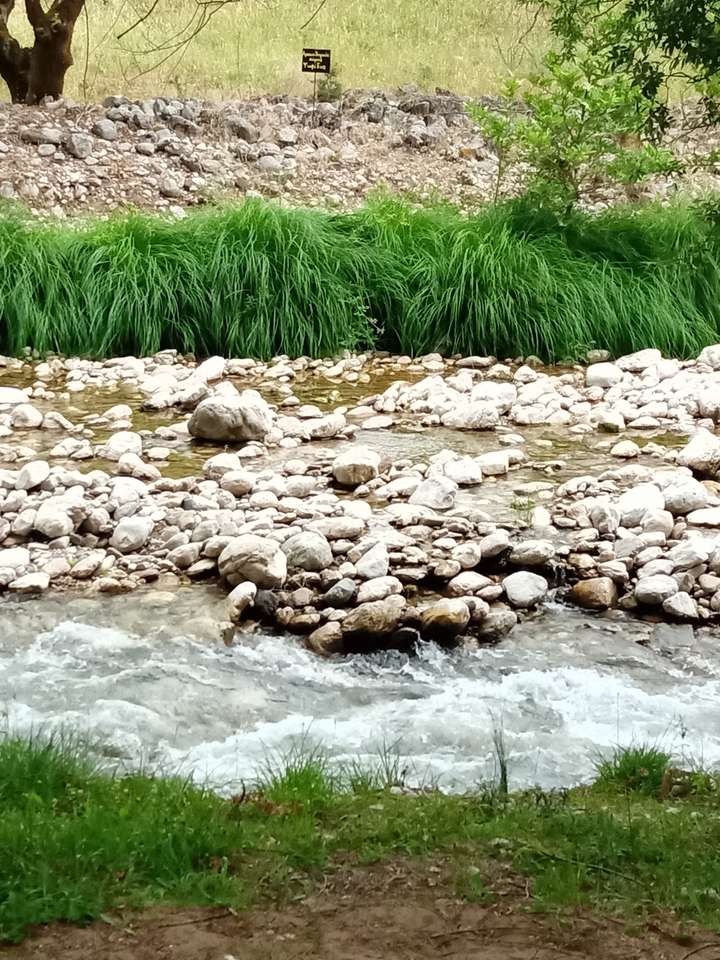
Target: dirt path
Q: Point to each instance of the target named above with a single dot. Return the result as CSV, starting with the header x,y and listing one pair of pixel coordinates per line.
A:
x,y
392,912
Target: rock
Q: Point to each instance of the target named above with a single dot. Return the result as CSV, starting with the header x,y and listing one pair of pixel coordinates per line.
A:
x,y
269,164
494,464
636,502
326,640
625,450
30,583
25,416
609,421
525,589
53,520
105,129
498,623
467,583
243,129
374,563
599,593
121,443
681,605
603,375
239,599
637,362
338,528
11,396
495,544
685,495
374,620
437,493
254,558
711,356
216,467
702,453
341,594
468,555
32,475
237,482
131,534
654,590
307,551
88,566
287,136
465,471
356,465
687,554
445,620
14,558
532,553
705,518
79,145
471,415
232,418
378,589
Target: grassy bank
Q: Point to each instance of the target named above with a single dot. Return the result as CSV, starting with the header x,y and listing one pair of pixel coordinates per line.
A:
x,y
254,47
75,844
259,279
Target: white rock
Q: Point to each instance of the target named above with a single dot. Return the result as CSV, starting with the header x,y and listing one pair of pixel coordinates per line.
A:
x,y
254,558
14,558
307,551
685,495
465,471
211,369
53,519
609,421
496,463
356,465
471,415
131,534
625,450
378,589
11,397
603,375
26,417
437,493
709,517
123,442
232,418
711,356
655,589
532,553
222,463
637,362
681,605
30,583
238,482
702,453
239,599
32,475
525,589
374,563
637,501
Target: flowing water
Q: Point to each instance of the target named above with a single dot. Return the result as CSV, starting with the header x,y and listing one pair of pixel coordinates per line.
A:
x,y
148,678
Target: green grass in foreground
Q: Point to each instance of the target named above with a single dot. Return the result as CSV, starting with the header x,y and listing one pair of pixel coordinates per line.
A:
x,y
259,279
75,843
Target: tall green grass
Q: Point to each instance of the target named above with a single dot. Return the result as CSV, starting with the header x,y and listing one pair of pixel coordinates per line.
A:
x,y
259,279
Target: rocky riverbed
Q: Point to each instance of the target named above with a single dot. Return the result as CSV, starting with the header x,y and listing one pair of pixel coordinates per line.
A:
x,y
367,502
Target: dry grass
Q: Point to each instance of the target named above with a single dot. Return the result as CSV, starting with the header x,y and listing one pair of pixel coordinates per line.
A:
x,y
253,46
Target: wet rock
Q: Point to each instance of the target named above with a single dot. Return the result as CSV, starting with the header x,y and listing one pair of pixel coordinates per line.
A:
x,y
525,589
598,593
437,493
307,551
374,620
445,620
681,605
131,534
326,640
239,599
233,418
654,590
355,466
498,623
609,421
253,558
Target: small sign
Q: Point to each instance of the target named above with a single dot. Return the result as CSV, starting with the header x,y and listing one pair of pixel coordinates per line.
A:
x,y
315,60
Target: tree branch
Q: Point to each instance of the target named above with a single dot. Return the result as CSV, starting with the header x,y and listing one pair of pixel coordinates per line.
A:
x,y
6,8
35,14
140,20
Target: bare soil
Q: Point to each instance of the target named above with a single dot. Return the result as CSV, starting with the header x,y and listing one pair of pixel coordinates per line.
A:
x,y
395,911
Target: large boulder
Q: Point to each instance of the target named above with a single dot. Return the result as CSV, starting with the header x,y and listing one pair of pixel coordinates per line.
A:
x,y
701,453
307,551
256,559
355,465
232,418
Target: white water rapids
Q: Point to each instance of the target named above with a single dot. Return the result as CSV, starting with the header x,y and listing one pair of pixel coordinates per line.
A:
x,y
147,677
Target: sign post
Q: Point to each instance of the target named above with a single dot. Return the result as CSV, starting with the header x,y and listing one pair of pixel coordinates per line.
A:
x,y
316,60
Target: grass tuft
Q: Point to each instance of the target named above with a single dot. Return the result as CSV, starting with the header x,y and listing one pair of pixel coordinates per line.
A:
x,y
260,280
636,769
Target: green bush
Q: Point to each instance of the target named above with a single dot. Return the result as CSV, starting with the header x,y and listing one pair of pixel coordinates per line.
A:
x,y
634,769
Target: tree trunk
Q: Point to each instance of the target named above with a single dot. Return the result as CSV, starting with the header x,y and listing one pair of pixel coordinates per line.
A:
x,y
38,71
